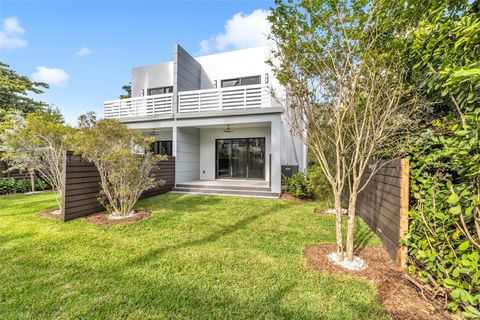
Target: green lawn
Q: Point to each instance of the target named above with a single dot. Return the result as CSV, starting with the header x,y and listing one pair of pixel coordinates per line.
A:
x,y
196,257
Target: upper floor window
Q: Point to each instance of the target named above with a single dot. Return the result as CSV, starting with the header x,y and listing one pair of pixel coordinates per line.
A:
x,y
245,81
160,90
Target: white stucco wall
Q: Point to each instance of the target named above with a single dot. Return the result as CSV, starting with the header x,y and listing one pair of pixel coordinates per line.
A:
x,y
152,76
233,64
187,151
292,148
207,146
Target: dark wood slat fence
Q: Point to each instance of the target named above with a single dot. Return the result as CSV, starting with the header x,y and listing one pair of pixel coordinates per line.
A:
x,y
383,205
82,185
15,174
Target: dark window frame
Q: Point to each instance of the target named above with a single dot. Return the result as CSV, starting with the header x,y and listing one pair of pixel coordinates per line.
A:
x,y
223,82
168,89
241,81
259,77
157,147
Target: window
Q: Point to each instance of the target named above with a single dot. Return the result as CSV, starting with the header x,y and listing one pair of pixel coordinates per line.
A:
x,y
162,147
230,83
250,80
245,81
161,90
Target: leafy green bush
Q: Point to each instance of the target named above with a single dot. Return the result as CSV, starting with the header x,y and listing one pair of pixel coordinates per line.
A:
x,y
299,186
319,185
444,236
10,185
310,185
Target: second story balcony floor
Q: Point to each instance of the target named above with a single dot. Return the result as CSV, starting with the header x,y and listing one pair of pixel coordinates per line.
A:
x,y
190,102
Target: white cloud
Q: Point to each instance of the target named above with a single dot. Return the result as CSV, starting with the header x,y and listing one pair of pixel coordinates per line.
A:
x,y
241,31
11,34
84,51
52,76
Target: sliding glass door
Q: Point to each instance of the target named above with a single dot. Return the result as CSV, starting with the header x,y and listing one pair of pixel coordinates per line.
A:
x,y
242,158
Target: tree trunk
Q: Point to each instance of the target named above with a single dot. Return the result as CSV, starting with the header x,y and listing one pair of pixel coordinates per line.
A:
x,y
351,226
338,223
32,179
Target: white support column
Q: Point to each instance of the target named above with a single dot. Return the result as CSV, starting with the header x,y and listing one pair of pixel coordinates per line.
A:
x,y
275,150
174,150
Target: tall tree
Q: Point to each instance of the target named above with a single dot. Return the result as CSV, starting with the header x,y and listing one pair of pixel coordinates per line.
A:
x,y
128,89
14,89
341,91
87,120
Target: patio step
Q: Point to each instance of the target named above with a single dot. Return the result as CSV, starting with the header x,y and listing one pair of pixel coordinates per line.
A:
x,y
227,192
222,187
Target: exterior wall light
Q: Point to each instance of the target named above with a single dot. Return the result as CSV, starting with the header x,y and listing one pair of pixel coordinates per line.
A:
x,y
215,84
266,77
143,92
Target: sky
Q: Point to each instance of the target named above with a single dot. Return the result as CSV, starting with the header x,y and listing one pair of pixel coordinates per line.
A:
x,y
85,49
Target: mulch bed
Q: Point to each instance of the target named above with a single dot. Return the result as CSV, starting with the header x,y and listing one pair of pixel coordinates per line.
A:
x,y
319,211
51,214
291,197
400,298
101,218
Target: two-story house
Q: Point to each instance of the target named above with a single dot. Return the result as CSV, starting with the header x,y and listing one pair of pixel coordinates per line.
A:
x,y
215,114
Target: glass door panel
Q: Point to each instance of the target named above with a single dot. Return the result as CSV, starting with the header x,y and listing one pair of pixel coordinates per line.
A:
x,y
224,156
256,158
239,158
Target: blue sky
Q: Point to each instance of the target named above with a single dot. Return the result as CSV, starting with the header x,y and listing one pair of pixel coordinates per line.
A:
x,y
85,49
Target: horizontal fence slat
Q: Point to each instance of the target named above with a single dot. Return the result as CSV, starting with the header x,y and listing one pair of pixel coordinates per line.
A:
x,y
73,187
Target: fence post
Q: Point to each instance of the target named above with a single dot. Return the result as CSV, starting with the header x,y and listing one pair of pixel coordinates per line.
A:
x,y
63,192
404,202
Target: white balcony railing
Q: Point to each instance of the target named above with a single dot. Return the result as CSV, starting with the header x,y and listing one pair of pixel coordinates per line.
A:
x,y
232,98
148,106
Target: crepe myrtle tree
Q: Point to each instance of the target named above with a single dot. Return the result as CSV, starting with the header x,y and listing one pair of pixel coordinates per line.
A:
x,y
344,100
124,160
38,143
14,120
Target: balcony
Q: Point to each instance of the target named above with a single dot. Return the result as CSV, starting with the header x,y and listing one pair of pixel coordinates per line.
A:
x,y
149,106
213,100
232,98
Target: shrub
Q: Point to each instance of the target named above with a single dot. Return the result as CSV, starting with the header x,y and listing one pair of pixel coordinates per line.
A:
x,y
123,160
299,186
10,185
444,221
310,185
319,185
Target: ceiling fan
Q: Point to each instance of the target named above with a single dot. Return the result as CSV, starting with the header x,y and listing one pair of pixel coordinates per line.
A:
x,y
228,129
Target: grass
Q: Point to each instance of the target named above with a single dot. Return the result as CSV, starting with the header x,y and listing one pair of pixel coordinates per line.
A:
x,y
196,257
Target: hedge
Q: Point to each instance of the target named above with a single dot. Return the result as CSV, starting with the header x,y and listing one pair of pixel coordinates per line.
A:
x,y
10,185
